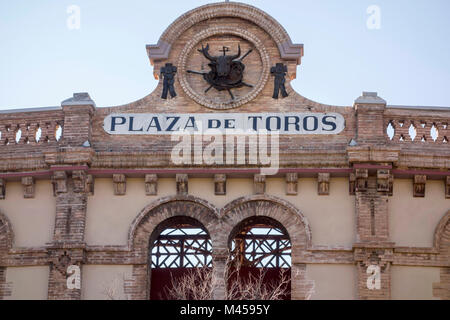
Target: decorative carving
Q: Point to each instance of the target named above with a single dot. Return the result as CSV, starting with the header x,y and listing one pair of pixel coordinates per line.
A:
x,y
374,256
28,187
59,181
279,72
383,177
2,188
90,181
419,185
374,271
63,261
79,181
362,176
323,180
151,184
291,184
168,73
352,184
257,73
182,184
259,182
227,72
220,184
120,184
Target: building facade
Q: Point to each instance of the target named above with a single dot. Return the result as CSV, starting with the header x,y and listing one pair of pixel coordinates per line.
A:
x,y
359,195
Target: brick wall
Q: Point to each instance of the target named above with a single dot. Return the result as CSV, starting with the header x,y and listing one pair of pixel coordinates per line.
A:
x,y
363,153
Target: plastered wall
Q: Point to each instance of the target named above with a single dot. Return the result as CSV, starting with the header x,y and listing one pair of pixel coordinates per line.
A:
x,y
333,282
32,220
413,283
28,283
332,217
412,221
109,217
104,282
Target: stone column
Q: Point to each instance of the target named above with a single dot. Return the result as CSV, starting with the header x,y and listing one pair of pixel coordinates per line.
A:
x,y
66,252
369,109
371,158
71,188
220,258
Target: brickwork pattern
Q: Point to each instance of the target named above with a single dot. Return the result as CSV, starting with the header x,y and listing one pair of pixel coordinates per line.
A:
x,y
442,243
219,225
363,151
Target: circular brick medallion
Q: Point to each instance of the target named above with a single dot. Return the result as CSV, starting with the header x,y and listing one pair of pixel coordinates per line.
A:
x,y
256,73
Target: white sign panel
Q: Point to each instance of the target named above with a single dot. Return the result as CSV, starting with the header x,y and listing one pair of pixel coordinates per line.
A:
x,y
284,123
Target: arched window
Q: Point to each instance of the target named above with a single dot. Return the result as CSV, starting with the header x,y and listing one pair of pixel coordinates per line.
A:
x,y
261,253
182,246
179,246
262,246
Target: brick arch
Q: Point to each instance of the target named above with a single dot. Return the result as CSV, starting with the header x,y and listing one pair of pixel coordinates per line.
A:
x,y
442,245
6,234
145,226
154,214
293,221
442,234
279,210
6,243
287,49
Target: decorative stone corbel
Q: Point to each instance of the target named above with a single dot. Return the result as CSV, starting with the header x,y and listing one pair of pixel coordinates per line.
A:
x,y
2,188
419,185
383,176
259,183
323,184
291,184
90,181
151,184
120,184
362,176
59,181
28,187
79,181
182,181
352,184
220,184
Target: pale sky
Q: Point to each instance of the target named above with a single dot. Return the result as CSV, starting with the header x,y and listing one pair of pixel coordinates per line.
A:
x,y
43,62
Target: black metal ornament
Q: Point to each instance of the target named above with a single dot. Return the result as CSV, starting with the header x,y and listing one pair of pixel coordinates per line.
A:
x,y
168,73
279,71
227,71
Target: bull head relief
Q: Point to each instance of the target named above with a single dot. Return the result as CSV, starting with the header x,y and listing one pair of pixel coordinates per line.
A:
x,y
227,71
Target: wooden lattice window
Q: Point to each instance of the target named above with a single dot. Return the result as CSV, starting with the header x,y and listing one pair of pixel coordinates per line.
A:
x,y
182,246
262,246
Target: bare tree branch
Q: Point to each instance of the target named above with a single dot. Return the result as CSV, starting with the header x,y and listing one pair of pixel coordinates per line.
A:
x,y
200,283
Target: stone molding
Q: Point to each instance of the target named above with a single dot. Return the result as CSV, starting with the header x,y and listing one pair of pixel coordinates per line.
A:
x,y
287,49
